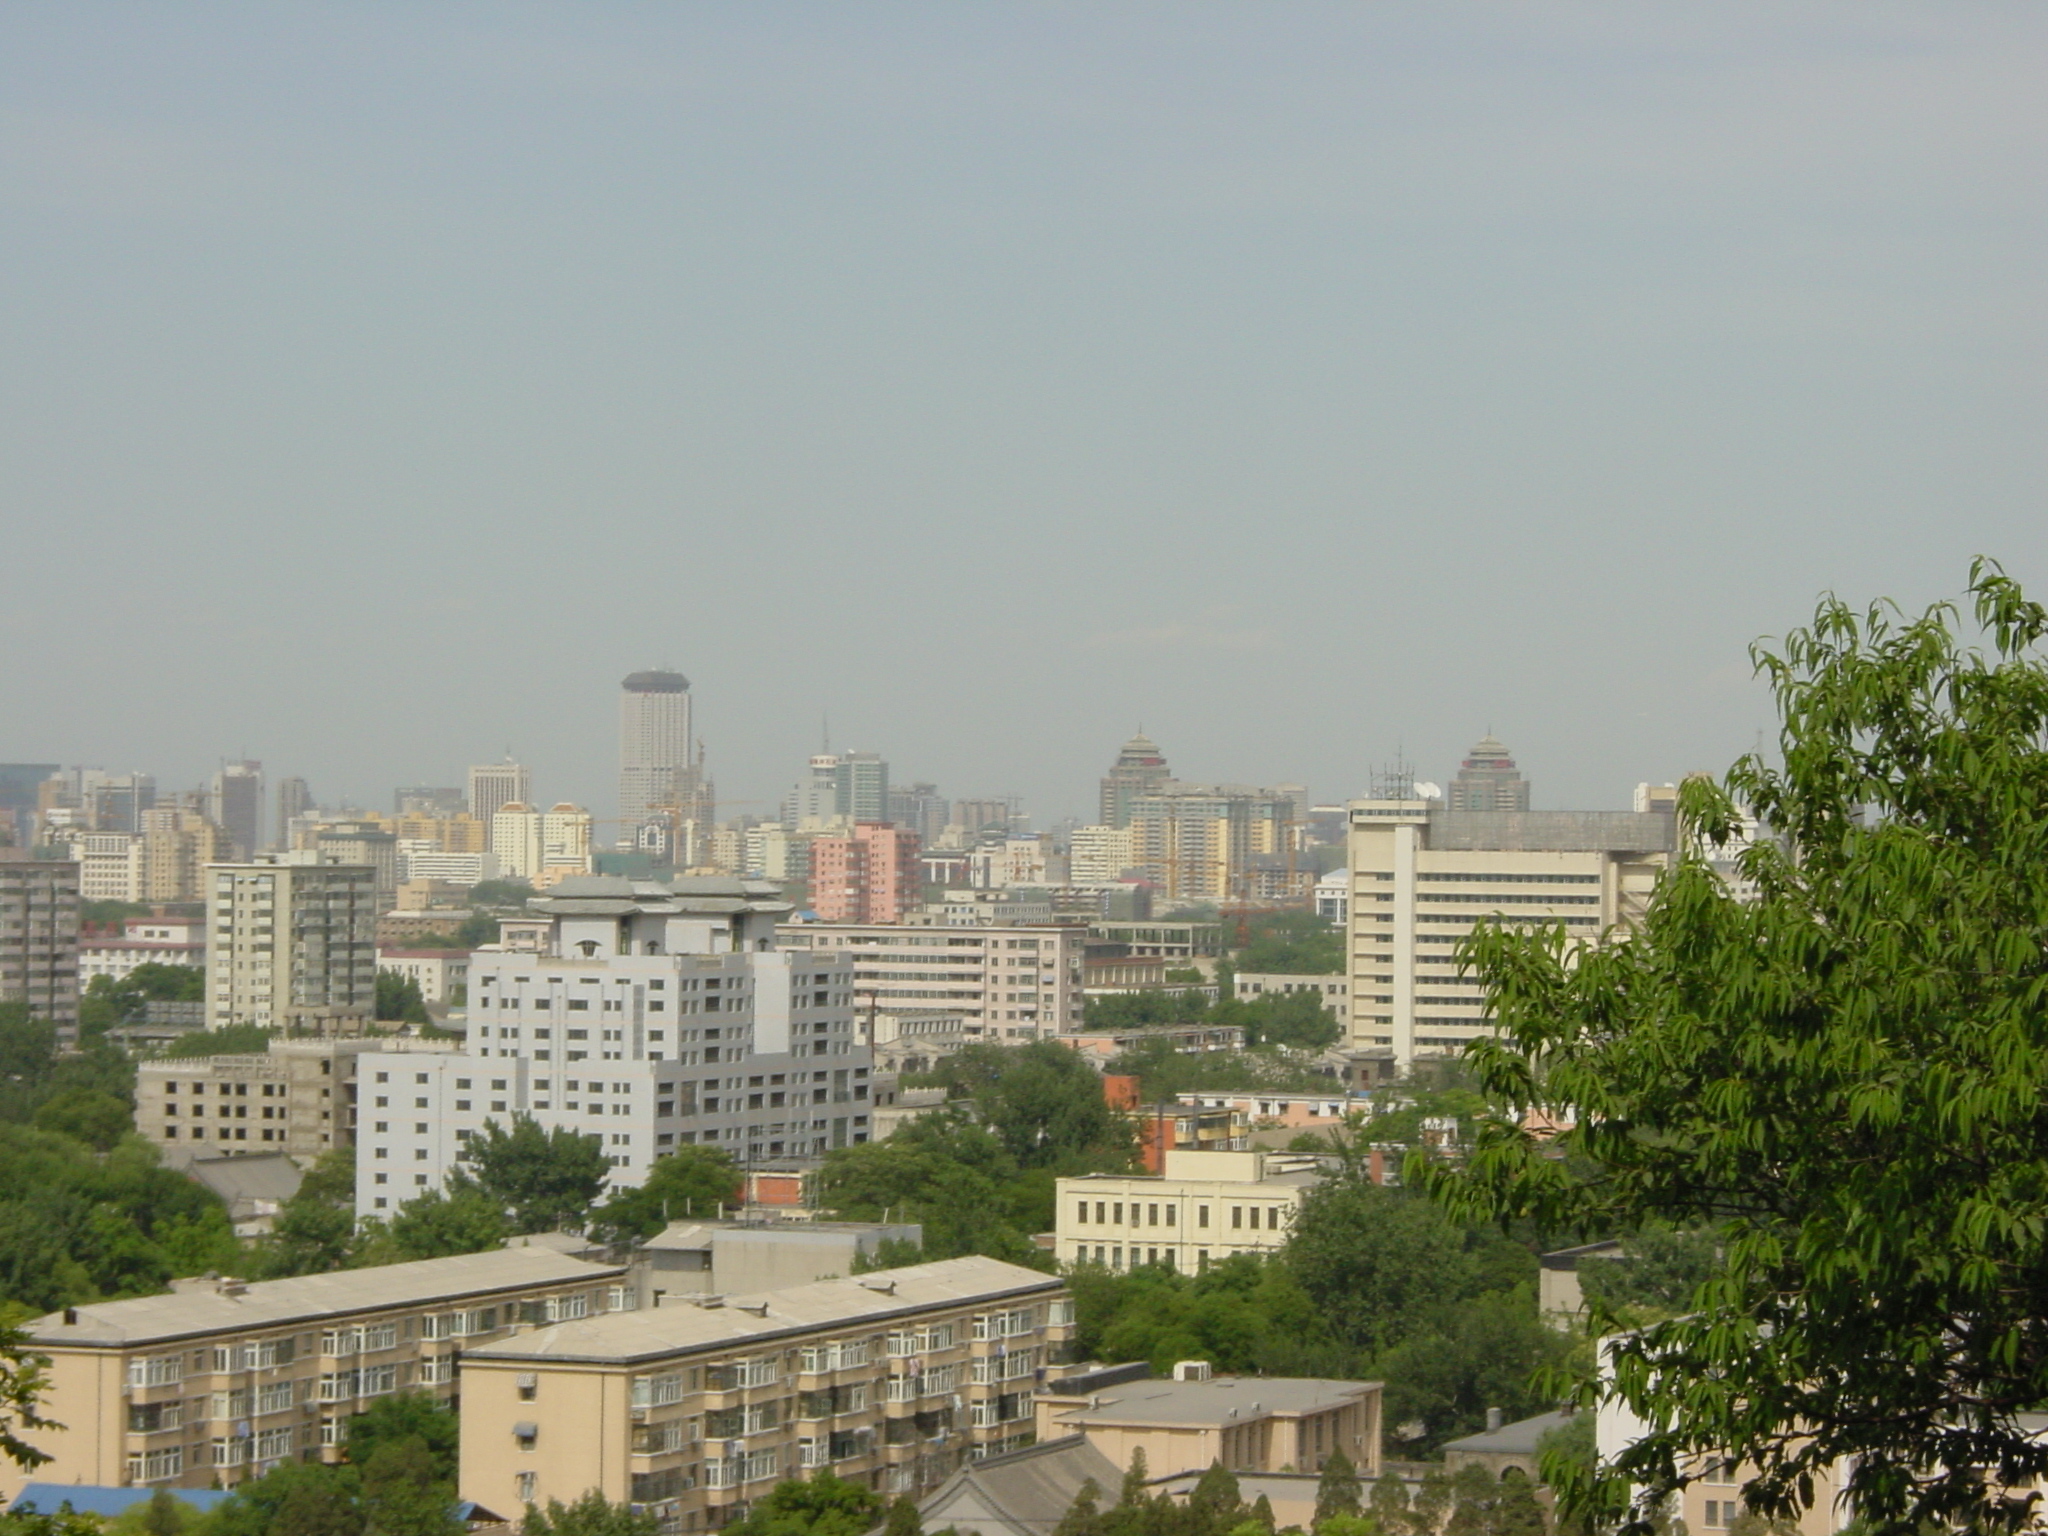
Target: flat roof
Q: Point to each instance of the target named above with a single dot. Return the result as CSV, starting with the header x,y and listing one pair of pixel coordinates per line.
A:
x,y
309,1298
1220,1400
619,1338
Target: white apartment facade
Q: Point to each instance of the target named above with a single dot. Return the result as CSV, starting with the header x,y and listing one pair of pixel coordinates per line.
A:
x,y
1021,983
1205,1207
1422,877
651,1016
288,938
1100,855
112,866
440,973
143,941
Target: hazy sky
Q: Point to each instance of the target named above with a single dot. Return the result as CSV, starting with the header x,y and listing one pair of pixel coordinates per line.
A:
x,y
383,382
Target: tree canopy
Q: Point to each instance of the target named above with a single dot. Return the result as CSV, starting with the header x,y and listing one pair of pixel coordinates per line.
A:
x,y
543,1179
1840,1069
692,1181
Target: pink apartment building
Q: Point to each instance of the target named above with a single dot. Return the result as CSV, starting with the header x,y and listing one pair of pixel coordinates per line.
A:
x,y
871,875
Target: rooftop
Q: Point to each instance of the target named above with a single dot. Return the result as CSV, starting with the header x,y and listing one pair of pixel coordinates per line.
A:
x,y
1216,1401
308,1298
621,1337
1517,1439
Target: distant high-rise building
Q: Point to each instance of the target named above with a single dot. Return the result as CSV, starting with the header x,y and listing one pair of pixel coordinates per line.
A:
x,y
496,784
537,845
428,800
20,783
178,843
363,842
1198,841
654,743
1139,770
922,809
845,787
1489,781
967,819
235,802
293,799
39,938
117,801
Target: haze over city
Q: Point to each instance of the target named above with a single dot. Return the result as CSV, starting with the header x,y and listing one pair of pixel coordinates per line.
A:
x,y
1300,383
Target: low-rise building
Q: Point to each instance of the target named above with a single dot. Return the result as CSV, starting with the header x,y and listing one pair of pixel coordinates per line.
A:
x,y
695,1409
1310,1111
1243,1423
221,1381
1100,1047
1204,1208
298,1097
695,1258
442,974
118,949
1333,992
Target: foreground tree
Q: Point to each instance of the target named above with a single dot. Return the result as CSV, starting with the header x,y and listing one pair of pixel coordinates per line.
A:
x,y
543,1179
591,1515
1845,1074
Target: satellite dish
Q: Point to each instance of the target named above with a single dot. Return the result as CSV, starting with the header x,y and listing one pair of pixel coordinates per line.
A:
x,y
1428,791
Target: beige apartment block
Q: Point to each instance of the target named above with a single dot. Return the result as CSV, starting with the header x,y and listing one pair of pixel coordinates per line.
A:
x,y
297,1098
288,939
1204,1208
1019,983
222,1381
1244,1423
698,1408
1423,877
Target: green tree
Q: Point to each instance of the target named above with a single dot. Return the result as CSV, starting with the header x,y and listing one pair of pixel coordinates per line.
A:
x,y
1215,1500
1377,1262
294,1499
1292,944
1518,1512
398,998
1842,1073
1484,1351
28,1045
1337,1491
163,1515
904,1519
542,1179
821,1505
1475,1501
591,1515
1388,1502
695,1181
309,1237
403,1418
1659,1272
228,1040
1083,1516
22,1385
85,1114
951,1174
500,893
1044,1104
436,1225
406,1492
1432,1502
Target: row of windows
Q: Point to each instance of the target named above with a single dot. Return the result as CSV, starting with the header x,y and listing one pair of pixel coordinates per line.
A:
x,y
1111,1213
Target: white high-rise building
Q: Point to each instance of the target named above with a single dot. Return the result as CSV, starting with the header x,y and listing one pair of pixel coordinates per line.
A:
x,y
492,785
530,843
1100,855
654,742
651,1017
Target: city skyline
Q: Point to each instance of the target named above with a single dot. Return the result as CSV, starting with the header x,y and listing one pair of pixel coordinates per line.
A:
x,y
1303,386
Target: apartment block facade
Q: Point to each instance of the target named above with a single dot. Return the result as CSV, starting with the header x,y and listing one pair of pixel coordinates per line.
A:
x,y
1020,983
1205,1207
698,1408
1423,876
870,874
39,938
289,941
648,1015
221,1381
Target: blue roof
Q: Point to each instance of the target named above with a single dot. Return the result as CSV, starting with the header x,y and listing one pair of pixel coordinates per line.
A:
x,y
95,1499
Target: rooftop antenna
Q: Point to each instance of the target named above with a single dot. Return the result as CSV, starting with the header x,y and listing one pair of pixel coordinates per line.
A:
x,y
825,733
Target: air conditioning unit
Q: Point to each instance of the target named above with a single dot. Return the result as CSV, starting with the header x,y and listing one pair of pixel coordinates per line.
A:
x,y
1192,1370
639,1415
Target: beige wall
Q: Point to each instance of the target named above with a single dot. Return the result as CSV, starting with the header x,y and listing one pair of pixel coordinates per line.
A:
x,y
583,1415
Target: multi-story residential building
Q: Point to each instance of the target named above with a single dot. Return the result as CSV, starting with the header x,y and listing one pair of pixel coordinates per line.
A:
x,y
1205,1207
297,1098
970,818
922,809
650,1015
1489,781
654,742
118,950
361,841
39,938
290,942
494,784
1023,858
1022,982
178,843
542,846
892,1379
1140,769
434,800
1244,1423
1099,855
1168,940
235,804
841,788
871,874
112,866
1423,876
1196,841
223,1380
419,859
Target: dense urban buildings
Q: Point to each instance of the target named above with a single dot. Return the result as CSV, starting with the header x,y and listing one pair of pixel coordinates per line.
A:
x,y
869,874
39,938
236,806
1018,982
492,785
1139,769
